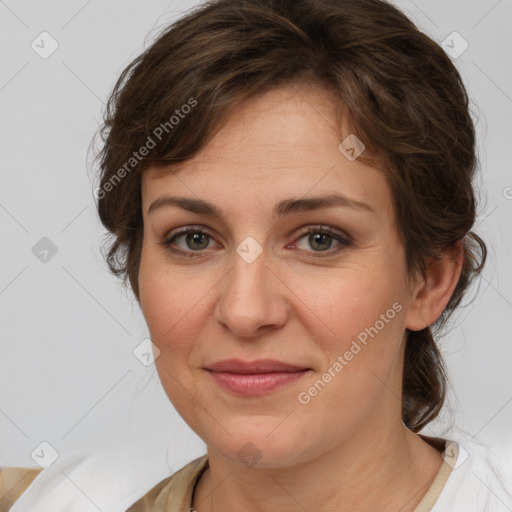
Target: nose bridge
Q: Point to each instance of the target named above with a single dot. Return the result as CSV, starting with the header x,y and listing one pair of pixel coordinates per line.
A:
x,y
250,296
247,279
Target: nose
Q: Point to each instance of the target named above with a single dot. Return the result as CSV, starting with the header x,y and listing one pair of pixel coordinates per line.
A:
x,y
252,298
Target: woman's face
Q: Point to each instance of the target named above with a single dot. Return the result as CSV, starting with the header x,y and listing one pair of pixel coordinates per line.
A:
x,y
262,281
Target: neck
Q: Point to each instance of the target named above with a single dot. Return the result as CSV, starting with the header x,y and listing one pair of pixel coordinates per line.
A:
x,y
386,470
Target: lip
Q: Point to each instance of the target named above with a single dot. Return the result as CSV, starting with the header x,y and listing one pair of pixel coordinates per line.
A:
x,y
252,367
255,377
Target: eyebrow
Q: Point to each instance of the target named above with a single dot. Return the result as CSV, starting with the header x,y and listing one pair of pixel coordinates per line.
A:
x,y
283,208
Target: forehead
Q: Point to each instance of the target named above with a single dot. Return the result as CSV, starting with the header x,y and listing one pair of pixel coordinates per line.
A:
x,y
282,143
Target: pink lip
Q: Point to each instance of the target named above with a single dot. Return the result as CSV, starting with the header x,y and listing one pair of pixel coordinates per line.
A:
x,y
255,383
254,378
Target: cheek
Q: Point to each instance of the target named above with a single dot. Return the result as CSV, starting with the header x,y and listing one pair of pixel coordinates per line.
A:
x,y
173,312
366,314
349,300
363,309
165,296
167,302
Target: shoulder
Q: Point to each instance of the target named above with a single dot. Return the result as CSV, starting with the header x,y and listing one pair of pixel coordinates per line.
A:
x,y
476,481
119,486
146,503
175,491
13,483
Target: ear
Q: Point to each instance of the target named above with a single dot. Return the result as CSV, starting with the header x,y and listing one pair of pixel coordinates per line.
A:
x,y
433,291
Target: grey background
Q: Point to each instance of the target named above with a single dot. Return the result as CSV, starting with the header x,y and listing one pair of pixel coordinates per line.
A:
x,y
68,375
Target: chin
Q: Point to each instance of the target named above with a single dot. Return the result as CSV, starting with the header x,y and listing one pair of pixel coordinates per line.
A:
x,y
260,450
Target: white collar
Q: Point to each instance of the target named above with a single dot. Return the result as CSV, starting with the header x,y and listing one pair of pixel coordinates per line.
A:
x,y
115,478
111,480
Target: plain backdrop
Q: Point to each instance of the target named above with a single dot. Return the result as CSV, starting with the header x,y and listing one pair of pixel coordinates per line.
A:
x,y
68,373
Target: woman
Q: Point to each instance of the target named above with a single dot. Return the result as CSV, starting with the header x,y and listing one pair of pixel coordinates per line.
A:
x,y
289,190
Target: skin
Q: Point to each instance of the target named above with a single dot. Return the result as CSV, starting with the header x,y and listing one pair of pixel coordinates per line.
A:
x,y
347,449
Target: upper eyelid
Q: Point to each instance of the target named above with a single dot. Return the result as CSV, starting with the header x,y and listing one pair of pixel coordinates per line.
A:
x,y
301,231
189,229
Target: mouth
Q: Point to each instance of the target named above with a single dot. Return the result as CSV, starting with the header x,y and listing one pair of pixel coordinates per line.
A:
x,y
256,377
252,367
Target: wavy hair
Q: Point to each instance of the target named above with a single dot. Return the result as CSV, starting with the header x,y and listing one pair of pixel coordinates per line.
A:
x,y
399,90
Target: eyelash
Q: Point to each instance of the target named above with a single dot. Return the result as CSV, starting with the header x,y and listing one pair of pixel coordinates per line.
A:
x,y
327,230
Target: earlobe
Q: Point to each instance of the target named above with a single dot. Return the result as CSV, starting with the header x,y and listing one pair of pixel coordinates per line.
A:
x,y
431,295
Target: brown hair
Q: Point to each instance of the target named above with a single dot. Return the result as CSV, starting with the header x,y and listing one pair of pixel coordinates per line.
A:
x,y
402,94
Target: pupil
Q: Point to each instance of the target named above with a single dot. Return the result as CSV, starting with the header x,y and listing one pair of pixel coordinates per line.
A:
x,y
321,237
194,237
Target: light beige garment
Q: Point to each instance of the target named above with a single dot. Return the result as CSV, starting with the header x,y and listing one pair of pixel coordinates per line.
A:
x,y
13,482
174,493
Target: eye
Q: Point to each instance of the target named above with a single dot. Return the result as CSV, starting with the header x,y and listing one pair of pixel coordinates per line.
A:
x,y
320,238
195,240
